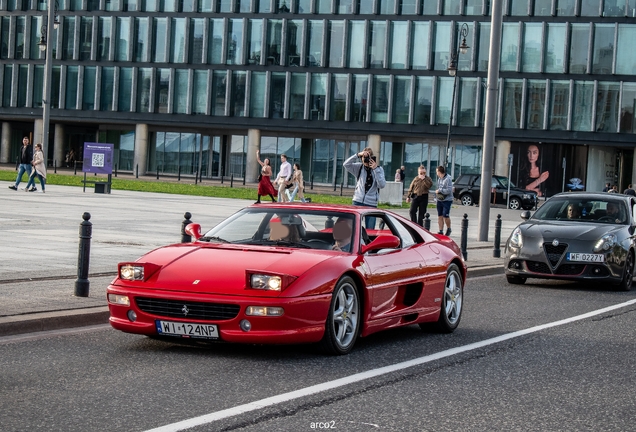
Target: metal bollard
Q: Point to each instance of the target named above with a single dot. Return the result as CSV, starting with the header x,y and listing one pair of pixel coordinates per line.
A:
x,y
341,186
75,168
179,173
185,238
55,166
496,252
137,171
427,221
244,179
311,186
82,283
464,239
232,181
115,170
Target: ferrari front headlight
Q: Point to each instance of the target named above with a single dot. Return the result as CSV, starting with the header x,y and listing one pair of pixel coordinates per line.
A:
x,y
131,272
266,282
605,243
516,239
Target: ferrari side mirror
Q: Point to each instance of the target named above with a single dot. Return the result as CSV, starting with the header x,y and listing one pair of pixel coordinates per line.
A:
x,y
382,242
193,230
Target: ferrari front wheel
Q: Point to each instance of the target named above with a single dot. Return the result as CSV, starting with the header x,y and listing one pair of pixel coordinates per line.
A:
x,y
343,320
452,301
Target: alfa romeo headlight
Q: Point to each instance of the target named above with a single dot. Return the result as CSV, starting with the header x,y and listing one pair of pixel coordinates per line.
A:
x,y
516,239
605,243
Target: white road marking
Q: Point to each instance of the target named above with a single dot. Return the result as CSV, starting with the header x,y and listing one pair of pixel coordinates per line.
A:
x,y
51,333
330,385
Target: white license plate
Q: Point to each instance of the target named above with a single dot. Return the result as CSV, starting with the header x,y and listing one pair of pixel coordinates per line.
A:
x,y
187,330
586,257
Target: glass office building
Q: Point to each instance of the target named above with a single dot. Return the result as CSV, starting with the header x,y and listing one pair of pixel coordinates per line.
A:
x,y
197,86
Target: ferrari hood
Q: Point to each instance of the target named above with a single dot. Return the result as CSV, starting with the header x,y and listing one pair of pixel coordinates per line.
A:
x,y
563,231
221,269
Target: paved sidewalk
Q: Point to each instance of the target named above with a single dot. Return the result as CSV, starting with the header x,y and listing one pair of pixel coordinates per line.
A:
x,y
39,244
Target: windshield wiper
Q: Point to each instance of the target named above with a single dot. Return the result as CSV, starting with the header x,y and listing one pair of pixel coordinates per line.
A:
x,y
214,238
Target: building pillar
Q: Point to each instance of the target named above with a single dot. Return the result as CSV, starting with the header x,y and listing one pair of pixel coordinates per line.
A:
x,y
141,149
501,158
252,168
59,138
38,129
374,141
5,143
633,176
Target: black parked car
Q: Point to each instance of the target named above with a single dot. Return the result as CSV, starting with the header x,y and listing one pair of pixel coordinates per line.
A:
x,y
466,189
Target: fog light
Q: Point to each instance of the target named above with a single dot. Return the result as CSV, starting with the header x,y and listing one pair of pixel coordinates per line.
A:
x,y
132,316
119,299
263,311
245,325
517,265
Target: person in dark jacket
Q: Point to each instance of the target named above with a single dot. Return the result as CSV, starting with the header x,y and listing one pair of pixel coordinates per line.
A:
x,y
417,195
629,191
26,157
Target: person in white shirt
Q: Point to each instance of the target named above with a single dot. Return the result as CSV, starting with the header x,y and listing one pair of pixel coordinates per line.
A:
x,y
284,174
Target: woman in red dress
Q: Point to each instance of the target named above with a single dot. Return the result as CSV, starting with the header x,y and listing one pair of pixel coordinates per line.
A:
x,y
265,186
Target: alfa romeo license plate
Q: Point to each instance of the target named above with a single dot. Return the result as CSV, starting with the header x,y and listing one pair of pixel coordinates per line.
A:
x,y
187,330
584,257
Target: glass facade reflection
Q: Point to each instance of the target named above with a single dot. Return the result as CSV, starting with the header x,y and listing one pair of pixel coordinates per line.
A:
x,y
327,72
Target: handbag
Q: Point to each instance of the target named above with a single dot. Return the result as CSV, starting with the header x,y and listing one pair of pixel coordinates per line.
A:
x,y
260,177
440,196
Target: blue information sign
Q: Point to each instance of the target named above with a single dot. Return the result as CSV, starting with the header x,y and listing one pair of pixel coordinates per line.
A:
x,y
98,158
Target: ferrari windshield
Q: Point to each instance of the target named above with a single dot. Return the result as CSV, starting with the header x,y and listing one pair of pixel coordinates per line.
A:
x,y
287,228
578,209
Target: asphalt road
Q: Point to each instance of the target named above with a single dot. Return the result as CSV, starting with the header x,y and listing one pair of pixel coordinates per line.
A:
x,y
574,376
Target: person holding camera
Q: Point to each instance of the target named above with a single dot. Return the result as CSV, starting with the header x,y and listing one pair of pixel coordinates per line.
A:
x,y
370,179
444,196
417,195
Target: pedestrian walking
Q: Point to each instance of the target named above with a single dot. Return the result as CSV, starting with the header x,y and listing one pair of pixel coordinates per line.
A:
x,y
398,177
39,170
265,186
26,157
370,179
607,187
282,179
417,195
629,191
444,197
299,184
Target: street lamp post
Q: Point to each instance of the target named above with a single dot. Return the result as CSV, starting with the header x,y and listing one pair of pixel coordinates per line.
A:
x,y
46,33
452,71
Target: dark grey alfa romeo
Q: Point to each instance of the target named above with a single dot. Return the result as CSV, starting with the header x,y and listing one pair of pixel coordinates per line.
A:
x,y
576,236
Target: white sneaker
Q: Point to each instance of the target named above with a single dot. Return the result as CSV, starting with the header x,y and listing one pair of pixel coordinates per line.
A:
x,y
42,190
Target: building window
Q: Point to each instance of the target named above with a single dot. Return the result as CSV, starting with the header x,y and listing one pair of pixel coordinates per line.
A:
x,y
444,100
257,94
20,28
264,6
582,109
125,89
399,32
177,40
518,8
408,7
377,44
401,99
4,37
297,96
71,87
215,42
338,98
277,95
317,96
532,44
554,49
542,7
86,37
196,41
565,7
314,43
380,107
162,90
360,97
356,44
68,38
238,94
36,32
628,108
579,44
88,96
467,101
346,7
245,6
254,41
6,86
235,42
441,47
200,92
422,100
452,7
536,104
295,30
323,6
219,89
474,7
603,54
159,36
509,47
590,8
607,107
626,61
303,6
224,6
103,38
106,91
513,94
180,96
141,40
484,47
387,7
559,103
38,83
144,77
23,76
336,40
205,6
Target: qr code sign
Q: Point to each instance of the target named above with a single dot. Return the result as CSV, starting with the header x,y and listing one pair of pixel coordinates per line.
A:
x,y
98,159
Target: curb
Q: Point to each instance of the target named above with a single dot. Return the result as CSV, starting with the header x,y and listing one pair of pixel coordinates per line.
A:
x,y
46,321
485,271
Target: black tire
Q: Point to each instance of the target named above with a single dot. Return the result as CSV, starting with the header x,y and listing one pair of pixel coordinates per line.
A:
x,y
452,302
628,273
343,320
516,280
515,203
466,200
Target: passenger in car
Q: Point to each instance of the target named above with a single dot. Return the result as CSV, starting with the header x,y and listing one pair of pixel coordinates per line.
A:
x,y
342,230
574,212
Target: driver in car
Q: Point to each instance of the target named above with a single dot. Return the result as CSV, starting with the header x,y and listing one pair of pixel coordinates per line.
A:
x,y
342,230
614,213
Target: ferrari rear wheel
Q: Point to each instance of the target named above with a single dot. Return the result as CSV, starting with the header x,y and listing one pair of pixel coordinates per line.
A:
x,y
452,301
343,322
628,273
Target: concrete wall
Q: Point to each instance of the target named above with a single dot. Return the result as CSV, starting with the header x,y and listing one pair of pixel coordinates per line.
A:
x,y
392,193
